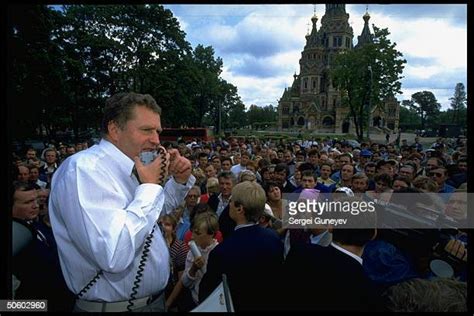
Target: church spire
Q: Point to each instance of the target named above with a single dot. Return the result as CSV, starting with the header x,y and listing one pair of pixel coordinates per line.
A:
x,y
365,37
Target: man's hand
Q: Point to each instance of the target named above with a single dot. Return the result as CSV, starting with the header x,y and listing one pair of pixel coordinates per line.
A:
x,y
152,172
179,167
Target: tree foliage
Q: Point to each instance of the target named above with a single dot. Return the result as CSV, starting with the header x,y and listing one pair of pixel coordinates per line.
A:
x,y
367,76
458,102
424,103
65,63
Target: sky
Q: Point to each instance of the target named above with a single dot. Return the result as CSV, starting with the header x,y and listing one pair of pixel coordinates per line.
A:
x,y
261,45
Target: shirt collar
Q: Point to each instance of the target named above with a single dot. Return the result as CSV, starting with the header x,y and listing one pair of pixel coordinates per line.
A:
x,y
123,162
244,225
221,199
359,259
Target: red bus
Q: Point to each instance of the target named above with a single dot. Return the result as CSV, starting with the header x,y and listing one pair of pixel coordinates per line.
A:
x,y
188,134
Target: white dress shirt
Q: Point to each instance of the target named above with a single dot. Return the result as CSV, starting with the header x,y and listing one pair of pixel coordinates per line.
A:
x,y
347,252
101,216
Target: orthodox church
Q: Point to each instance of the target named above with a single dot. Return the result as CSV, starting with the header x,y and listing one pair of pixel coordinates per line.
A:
x,y
312,103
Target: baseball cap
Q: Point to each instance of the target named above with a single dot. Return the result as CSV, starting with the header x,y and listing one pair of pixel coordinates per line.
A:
x,y
366,153
345,190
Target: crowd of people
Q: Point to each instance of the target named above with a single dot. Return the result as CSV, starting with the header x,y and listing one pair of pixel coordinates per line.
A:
x,y
94,229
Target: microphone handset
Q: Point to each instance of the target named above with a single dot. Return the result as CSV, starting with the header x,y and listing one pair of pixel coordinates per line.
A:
x,y
148,157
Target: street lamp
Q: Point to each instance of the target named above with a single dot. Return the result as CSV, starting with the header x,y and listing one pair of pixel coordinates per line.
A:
x,y
369,68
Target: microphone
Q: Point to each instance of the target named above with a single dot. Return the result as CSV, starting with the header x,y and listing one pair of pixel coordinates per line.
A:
x,y
194,249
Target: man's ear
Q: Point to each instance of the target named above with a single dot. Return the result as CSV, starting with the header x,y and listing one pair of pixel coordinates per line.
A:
x,y
113,130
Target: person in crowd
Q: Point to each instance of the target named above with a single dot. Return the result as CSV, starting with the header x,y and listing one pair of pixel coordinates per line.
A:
x,y
383,184
34,177
191,200
250,251
50,166
400,182
205,226
359,183
280,176
341,160
220,203
339,265
241,165
104,206
325,171
226,163
23,174
421,295
37,266
425,184
178,253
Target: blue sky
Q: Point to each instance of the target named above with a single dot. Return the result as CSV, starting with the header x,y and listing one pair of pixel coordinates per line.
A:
x,y
261,44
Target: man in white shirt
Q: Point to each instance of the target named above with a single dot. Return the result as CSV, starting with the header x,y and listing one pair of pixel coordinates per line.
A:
x,y
104,206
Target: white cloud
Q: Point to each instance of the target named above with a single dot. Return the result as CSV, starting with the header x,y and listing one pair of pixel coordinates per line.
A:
x,y
271,37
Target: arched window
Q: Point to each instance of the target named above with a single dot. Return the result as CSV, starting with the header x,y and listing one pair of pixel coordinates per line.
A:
x,y
328,121
301,121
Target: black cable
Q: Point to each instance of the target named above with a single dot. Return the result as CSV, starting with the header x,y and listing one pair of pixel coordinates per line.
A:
x,y
147,245
89,285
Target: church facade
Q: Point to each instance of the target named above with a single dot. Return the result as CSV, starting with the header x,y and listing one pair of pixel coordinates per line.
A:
x,y
312,103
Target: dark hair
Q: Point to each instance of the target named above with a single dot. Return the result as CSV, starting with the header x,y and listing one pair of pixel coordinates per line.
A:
x,y
282,167
18,186
306,166
119,108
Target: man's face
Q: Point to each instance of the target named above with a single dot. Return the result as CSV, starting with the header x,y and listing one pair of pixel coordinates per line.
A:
x,y
50,157
192,199
202,162
225,186
308,182
25,205
325,172
34,174
226,165
287,157
210,171
323,158
398,185
438,175
314,160
406,172
139,134
462,166
23,174
359,185
244,160
344,161
30,154
279,177
216,162
431,164
370,172
347,172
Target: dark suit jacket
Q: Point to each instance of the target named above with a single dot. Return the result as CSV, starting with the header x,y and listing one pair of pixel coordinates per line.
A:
x,y
252,260
226,224
324,278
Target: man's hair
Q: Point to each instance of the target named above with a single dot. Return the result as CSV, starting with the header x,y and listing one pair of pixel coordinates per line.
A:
x,y
366,221
252,197
282,167
360,175
227,175
305,166
119,108
18,186
420,295
308,173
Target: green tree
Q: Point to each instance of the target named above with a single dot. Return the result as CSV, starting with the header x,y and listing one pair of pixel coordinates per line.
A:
x,y
367,76
409,119
424,103
458,101
34,68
